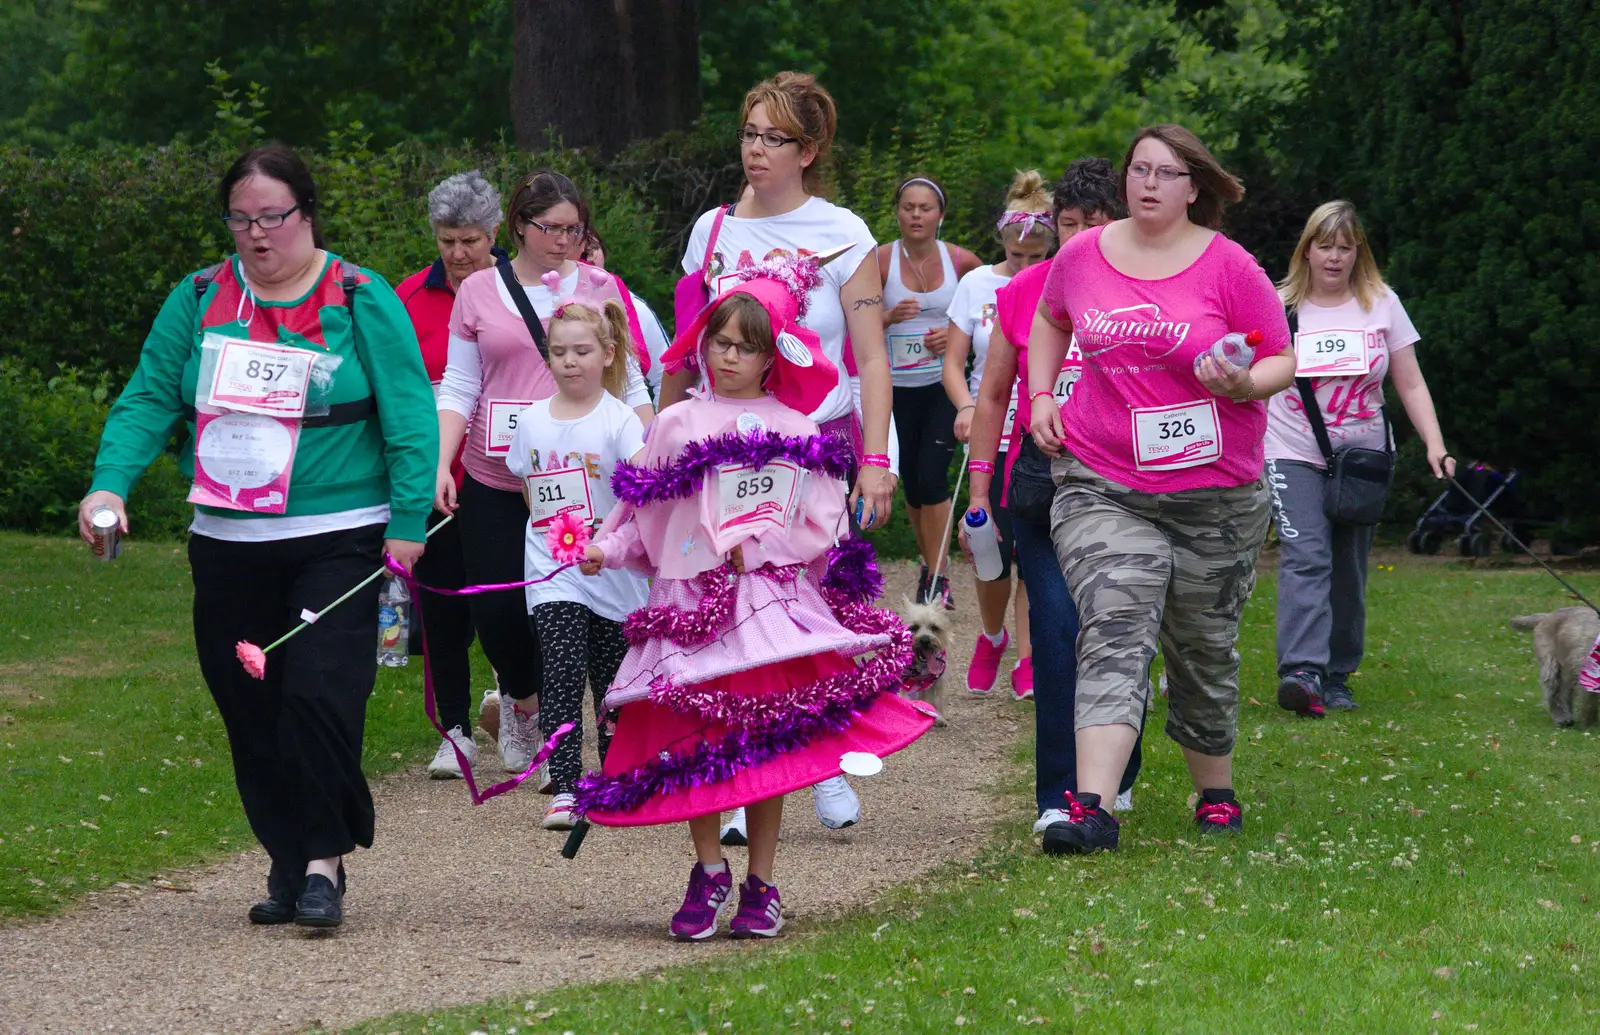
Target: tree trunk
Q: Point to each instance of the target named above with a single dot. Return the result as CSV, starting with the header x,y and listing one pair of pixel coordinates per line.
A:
x,y
603,73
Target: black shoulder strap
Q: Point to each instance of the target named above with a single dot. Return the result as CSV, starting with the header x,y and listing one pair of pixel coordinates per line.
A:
x,y
205,278
519,298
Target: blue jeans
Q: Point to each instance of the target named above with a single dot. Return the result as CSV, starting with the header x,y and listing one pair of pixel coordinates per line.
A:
x,y
1053,625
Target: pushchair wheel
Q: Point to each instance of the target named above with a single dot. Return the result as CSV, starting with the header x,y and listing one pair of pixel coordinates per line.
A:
x,y
1428,541
1475,544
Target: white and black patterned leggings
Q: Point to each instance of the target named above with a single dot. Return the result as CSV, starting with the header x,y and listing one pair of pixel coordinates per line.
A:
x,y
576,644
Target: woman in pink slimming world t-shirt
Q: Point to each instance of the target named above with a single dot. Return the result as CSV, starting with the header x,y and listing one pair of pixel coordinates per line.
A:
x,y
1160,509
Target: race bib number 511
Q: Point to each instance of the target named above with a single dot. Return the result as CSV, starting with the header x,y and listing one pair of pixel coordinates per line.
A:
x,y
757,499
1169,438
553,493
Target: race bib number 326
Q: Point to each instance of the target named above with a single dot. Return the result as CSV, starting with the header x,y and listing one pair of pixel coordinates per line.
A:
x,y
757,499
1169,438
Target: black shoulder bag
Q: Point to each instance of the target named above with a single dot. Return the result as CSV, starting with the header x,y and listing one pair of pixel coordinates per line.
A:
x,y
1358,479
519,298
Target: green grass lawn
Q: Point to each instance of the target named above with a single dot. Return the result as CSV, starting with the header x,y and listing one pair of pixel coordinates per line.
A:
x,y
1428,863
114,764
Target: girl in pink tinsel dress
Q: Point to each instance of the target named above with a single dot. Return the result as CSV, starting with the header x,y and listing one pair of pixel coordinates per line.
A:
x,y
757,668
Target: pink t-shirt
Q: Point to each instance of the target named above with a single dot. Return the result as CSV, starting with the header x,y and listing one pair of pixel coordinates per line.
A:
x,y
514,375
1015,304
1139,415
1349,403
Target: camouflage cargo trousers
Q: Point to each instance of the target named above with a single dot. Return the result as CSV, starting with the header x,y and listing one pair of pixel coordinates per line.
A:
x,y
1172,568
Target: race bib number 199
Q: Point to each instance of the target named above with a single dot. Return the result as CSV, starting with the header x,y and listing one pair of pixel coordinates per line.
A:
x,y
502,420
1332,353
757,499
1168,438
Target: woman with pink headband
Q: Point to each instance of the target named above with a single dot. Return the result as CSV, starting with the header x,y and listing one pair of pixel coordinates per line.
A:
x,y
919,279
1026,232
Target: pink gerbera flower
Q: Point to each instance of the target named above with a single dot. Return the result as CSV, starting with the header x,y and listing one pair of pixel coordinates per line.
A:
x,y
567,538
253,658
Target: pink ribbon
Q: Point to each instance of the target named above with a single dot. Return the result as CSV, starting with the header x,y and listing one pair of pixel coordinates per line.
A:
x,y
430,705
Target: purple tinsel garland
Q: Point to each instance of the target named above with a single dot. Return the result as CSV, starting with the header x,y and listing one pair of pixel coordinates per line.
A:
x,y
770,710
718,589
713,762
683,475
853,576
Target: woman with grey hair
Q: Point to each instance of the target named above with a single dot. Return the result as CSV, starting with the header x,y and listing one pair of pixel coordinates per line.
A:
x,y
464,211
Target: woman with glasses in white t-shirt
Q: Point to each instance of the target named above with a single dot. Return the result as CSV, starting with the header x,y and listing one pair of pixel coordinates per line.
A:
x,y
786,131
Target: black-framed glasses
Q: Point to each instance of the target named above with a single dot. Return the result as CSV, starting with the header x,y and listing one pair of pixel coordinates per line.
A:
x,y
575,231
1142,171
266,220
771,138
722,346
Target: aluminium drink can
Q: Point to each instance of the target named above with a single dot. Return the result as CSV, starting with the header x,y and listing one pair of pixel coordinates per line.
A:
x,y
107,534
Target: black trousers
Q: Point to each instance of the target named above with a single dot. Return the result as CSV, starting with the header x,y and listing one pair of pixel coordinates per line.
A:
x,y
493,529
295,736
446,625
577,645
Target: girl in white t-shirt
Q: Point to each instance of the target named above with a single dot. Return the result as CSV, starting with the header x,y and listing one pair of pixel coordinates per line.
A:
x,y
1027,235
564,450
1353,329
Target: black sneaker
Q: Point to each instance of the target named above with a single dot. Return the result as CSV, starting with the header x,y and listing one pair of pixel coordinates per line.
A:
x,y
924,583
277,909
1300,691
320,905
1337,694
1087,828
1218,812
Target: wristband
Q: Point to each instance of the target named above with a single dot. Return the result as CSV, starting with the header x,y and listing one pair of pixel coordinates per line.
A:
x,y
980,466
1042,391
876,460
969,406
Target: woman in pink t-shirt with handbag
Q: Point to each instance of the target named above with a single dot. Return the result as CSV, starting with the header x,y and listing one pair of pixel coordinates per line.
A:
x,y
1160,508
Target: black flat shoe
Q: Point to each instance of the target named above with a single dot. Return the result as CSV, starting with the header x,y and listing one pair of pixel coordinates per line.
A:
x,y
320,905
273,911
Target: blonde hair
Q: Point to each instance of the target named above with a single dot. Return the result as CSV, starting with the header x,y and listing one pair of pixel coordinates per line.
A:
x,y
1327,222
1026,194
610,326
802,109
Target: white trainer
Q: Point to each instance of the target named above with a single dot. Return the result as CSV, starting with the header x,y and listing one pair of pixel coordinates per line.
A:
x,y
559,815
445,765
1124,801
1048,817
733,831
837,804
547,783
519,736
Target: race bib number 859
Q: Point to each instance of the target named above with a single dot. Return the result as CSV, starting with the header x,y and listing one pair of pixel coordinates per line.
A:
x,y
757,499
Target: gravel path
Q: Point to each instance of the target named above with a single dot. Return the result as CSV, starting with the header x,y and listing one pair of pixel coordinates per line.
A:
x,y
458,904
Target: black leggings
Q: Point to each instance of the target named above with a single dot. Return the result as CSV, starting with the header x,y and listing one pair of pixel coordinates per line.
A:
x,y
576,643
924,419
493,540
296,735
446,625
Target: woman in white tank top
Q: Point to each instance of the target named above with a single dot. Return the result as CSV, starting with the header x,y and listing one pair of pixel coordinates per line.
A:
x,y
919,279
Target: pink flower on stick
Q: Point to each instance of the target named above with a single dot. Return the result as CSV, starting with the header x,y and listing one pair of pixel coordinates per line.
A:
x,y
253,658
567,538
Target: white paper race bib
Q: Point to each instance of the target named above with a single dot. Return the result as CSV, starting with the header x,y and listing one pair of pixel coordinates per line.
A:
x,y
243,461
266,379
1065,382
553,493
502,420
1331,353
757,499
909,351
1168,438
1010,426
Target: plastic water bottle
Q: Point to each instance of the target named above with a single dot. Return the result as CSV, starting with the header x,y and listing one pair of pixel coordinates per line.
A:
x,y
394,624
1232,352
985,544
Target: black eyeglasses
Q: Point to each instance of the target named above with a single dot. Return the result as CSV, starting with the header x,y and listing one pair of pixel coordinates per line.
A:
x,y
266,220
574,231
771,139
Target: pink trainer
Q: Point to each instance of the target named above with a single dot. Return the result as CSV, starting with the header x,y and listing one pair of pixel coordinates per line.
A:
x,y
1022,679
986,662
